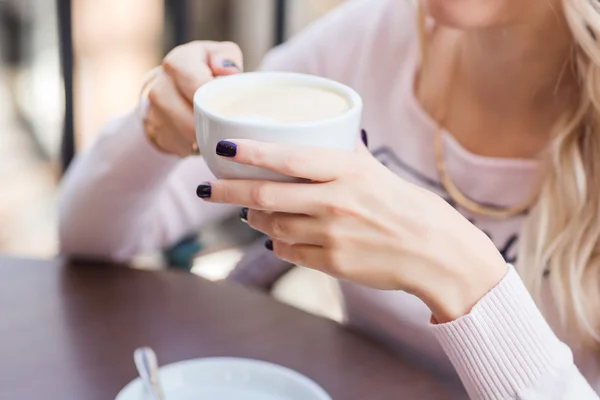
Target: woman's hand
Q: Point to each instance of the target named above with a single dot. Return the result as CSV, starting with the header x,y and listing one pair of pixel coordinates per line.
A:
x,y
169,120
359,221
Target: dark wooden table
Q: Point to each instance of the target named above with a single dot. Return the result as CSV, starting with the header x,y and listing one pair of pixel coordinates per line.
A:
x,y
67,332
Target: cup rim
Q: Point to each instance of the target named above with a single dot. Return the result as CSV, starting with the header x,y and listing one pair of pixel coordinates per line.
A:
x,y
352,96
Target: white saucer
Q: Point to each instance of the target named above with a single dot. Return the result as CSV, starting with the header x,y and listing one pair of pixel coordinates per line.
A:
x,y
228,379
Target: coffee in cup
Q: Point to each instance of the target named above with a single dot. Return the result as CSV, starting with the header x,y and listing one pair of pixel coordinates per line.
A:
x,y
278,103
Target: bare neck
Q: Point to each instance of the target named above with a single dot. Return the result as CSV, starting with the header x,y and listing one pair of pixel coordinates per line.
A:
x,y
506,92
520,67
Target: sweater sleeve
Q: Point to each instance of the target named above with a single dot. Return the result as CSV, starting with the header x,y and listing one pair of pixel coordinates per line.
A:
x,y
122,197
505,349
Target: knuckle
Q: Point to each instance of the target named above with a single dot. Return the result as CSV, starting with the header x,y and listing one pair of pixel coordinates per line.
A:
x,y
293,164
277,228
173,57
261,196
331,236
334,262
154,95
176,62
300,258
151,131
254,218
258,220
283,252
178,65
332,209
294,255
257,157
338,208
170,64
188,129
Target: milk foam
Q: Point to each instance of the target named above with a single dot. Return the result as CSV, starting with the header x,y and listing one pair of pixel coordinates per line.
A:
x,y
284,103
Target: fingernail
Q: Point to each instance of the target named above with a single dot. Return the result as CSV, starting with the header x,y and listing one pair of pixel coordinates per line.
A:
x,y
269,244
363,136
226,149
244,215
229,64
204,190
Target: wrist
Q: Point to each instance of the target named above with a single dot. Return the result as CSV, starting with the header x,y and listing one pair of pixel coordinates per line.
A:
x,y
466,273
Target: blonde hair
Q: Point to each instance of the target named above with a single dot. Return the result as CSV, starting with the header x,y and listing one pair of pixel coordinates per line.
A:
x,y
561,236
560,239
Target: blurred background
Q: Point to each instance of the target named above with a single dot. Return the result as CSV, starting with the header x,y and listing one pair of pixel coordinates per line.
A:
x,y
68,66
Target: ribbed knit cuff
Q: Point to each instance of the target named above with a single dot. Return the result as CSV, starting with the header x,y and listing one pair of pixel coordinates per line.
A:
x,y
504,345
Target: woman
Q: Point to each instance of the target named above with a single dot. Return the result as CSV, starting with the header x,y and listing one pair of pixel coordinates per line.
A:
x,y
490,105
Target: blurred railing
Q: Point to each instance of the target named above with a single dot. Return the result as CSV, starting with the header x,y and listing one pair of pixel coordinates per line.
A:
x,y
65,35
176,11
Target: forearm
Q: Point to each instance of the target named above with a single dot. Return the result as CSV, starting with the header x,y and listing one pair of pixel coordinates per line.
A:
x,y
109,192
123,197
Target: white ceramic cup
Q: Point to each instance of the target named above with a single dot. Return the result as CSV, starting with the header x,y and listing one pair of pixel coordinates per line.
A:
x,y
339,132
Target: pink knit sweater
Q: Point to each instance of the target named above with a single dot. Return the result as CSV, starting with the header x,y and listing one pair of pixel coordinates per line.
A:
x,y
122,197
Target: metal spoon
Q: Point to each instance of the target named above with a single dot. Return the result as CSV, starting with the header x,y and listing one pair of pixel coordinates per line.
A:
x,y
147,367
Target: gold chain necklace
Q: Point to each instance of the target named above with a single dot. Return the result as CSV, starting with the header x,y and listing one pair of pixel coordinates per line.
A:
x,y
461,199
453,191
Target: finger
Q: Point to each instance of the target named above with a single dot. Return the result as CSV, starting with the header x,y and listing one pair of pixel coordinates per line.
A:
x,y
169,134
188,66
225,58
160,132
315,164
291,228
326,261
165,97
363,145
364,137
305,255
294,198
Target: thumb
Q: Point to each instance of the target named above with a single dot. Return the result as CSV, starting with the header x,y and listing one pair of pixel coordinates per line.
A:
x,y
191,65
225,59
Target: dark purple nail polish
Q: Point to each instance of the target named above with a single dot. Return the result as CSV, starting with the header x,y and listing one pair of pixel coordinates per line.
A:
x,y
363,136
244,215
269,244
226,149
204,190
229,64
